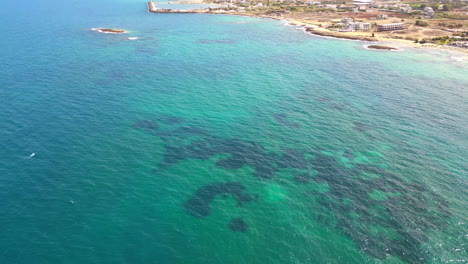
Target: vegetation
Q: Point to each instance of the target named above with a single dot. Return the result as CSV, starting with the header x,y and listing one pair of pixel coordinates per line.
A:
x,y
421,23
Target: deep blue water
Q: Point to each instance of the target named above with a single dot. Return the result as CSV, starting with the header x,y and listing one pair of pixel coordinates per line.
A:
x,y
223,139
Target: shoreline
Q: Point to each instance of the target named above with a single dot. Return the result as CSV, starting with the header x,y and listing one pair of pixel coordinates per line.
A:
x,y
314,29
320,32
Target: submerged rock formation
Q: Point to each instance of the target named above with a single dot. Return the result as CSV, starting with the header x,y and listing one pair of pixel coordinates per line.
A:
x,y
110,30
199,204
238,225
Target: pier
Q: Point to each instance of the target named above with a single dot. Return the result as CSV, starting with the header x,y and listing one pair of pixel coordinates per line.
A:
x,y
152,7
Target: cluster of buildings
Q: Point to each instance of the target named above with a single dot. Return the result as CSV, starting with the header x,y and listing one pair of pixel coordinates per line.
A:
x,y
391,27
355,6
349,25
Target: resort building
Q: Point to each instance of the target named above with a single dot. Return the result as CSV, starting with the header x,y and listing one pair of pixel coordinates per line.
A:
x,y
392,26
359,26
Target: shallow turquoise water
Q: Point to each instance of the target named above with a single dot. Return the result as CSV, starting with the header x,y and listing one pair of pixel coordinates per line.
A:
x,y
147,149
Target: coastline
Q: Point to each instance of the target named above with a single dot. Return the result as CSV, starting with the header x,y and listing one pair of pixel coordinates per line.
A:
x,y
313,29
321,32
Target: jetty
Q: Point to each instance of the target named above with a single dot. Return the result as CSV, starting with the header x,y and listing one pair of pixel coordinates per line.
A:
x,y
152,7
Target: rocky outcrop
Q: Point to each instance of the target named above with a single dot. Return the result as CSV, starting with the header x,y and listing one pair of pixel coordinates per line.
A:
x,y
327,33
380,47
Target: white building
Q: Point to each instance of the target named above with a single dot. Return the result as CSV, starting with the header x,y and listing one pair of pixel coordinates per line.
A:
x,y
406,9
359,26
390,27
429,11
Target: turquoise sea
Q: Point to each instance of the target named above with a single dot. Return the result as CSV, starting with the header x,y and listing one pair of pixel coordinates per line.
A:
x,y
223,139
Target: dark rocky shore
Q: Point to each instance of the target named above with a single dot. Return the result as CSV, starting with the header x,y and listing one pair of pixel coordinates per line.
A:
x,y
380,47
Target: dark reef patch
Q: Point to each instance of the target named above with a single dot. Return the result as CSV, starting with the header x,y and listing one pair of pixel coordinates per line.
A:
x,y
147,125
292,158
348,154
303,178
408,208
199,204
246,153
238,225
382,212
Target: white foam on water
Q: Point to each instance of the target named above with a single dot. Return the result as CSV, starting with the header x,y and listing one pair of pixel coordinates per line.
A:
x,y
457,58
132,38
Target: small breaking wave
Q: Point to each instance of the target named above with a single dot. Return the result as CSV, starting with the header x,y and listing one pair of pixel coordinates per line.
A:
x,y
457,58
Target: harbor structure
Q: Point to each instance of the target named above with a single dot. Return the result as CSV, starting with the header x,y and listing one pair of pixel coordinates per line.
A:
x,y
152,6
